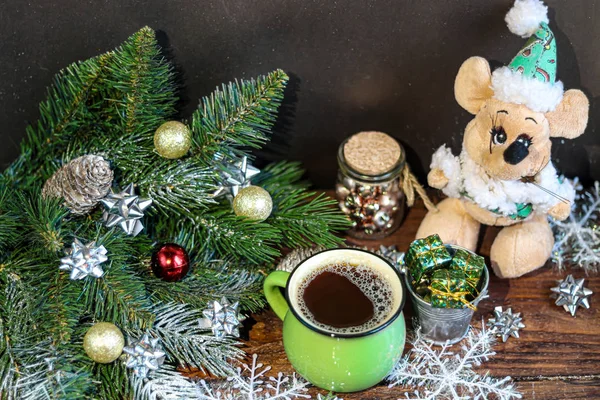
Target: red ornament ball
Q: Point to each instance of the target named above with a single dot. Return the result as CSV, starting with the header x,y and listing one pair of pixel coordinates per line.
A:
x,y
170,262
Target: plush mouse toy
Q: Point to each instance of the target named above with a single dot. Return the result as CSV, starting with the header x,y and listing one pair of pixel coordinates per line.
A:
x,y
504,175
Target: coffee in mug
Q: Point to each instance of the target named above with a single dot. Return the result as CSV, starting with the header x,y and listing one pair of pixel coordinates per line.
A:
x,y
345,298
343,327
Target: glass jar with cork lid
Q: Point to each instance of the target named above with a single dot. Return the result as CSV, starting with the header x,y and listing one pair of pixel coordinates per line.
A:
x,y
369,189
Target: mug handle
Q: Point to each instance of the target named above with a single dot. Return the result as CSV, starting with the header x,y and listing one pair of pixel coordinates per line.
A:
x,y
276,280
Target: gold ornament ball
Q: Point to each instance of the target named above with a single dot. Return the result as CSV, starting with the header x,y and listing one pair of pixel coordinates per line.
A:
x,y
104,342
172,139
253,202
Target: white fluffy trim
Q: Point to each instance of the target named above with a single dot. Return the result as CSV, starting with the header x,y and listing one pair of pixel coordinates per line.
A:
x,y
525,16
513,87
468,180
450,166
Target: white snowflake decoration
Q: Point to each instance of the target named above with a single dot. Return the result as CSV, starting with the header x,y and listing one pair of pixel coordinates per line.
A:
x,y
251,383
440,373
577,239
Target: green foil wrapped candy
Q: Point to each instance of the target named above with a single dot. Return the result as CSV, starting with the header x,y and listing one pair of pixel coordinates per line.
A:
x,y
448,289
426,255
472,265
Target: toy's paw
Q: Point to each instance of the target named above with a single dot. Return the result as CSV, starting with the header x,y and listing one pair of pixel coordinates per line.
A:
x,y
437,179
560,211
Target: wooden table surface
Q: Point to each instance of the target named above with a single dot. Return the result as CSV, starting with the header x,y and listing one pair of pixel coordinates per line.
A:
x,y
556,357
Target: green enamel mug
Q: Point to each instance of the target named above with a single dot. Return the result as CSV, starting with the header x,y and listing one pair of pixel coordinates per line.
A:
x,y
334,360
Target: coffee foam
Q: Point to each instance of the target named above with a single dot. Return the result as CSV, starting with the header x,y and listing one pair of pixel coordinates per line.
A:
x,y
369,280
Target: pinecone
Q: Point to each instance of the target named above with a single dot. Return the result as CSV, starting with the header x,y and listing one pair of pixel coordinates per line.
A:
x,y
82,183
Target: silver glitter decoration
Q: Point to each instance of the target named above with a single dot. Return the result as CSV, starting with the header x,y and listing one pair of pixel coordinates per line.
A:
x,y
571,294
392,254
223,317
233,176
84,260
144,355
125,209
505,323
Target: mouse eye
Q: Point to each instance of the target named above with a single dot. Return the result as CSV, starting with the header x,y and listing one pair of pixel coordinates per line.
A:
x,y
498,135
524,140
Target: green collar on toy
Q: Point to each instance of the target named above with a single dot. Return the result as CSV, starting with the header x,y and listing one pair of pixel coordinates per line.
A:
x,y
524,210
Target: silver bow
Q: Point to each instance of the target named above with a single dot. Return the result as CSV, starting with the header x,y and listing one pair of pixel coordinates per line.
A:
x,y
505,323
144,355
125,209
233,176
83,260
571,294
223,318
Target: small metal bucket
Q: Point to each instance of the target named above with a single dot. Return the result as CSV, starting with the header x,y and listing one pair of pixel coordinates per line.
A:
x,y
445,325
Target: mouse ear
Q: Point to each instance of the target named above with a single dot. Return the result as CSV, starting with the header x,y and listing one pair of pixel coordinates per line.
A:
x,y
570,117
472,87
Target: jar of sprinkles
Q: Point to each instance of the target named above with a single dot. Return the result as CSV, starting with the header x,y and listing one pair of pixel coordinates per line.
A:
x,y
368,186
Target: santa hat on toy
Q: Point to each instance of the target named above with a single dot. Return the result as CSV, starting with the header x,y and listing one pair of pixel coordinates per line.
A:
x,y
530,78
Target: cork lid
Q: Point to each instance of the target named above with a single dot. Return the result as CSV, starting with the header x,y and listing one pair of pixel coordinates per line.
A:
x,y
372,153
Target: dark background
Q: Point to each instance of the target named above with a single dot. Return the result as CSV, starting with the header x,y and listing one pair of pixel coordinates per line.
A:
x,y
355,65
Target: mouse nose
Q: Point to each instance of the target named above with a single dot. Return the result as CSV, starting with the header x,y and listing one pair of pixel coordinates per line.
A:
x,y
517,151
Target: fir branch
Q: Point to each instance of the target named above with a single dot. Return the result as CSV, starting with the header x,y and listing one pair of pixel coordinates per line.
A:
x,y
204,285
163,384
237,116
305,219
62,115
49,373
10,223
281,175
43,219
222,232
178,327
120,296
16,307
146,82
177,189
115,381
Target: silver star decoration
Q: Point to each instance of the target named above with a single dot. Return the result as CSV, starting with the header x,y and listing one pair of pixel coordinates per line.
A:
x,y
233,176
571,294
224,318
505,323
125,209
84,260
144,355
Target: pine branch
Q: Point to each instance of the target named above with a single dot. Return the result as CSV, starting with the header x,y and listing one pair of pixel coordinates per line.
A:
x,y
50,373
10,223
237,116
120,296
115,382
221,232
177,326
15,327
204,285
62,116
305,219
165,383
42,220
281,175
177,190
